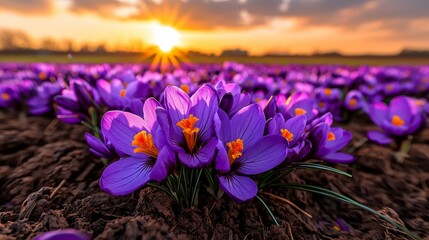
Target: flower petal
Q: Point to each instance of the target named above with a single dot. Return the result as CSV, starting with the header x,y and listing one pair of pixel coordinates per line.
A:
x,y
97,145
399,106
296,126
125,176
239,188
202,157
120,128
264,155
221,161
379,137
164,164
339,157
204,105
378,113
248,124
149,111
177,103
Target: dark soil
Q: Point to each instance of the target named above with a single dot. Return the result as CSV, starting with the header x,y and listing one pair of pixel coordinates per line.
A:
x,y
49,180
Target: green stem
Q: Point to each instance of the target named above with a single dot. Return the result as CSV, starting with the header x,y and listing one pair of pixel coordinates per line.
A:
x,y
196,186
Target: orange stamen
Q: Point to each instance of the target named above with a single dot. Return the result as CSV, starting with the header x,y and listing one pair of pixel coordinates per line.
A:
x,y
190,132
352,102
327,91
42,75
235,149
5,96
287,134
300,111
420,102
122,93
331,136
397,121
185,88
321,104
144,143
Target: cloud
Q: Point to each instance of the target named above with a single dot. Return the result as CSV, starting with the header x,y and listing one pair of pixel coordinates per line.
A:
x,y
35,7
212,14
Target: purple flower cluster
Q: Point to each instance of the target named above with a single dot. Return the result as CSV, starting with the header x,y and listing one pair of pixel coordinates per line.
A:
x,y
201,131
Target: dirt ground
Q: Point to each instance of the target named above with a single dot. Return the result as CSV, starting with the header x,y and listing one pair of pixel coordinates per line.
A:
x,y
49,180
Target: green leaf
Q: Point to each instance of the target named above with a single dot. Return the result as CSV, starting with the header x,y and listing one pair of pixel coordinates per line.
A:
x,y
316,166
268,209
338,196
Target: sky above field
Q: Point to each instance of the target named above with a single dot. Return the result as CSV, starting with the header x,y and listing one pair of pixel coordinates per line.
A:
x,y
259,26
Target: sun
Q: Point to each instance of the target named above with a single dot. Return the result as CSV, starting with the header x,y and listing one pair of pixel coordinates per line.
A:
x,y
165,37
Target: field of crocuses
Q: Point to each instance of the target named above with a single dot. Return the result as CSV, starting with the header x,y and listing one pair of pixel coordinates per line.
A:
x,y
213,151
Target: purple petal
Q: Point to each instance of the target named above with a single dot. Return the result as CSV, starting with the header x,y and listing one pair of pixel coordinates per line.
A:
x,y
239,188
339,157
149,110
63,234
97,145
202,157
296,126
399,106
264,155
125,176
248,124
204,105
378,113
379,137
67,103
221,161
177,103
164,164
225,128
318,136
120,128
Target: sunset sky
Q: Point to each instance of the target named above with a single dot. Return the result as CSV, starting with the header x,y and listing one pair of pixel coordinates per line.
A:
x,y
260,26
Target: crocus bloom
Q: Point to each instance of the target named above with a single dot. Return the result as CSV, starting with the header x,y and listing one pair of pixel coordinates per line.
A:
x,y
354,101
327,141
116,95
400,118
246,152
63,234
299,104
41,102
100,148
293,131
232,100
189,124
147,155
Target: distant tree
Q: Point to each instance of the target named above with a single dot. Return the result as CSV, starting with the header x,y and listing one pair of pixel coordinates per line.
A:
x,y
14,40
101,48
49,45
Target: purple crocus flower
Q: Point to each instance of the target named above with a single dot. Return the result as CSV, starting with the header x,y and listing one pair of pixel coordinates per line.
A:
x,y
293,131
9,96
354,101
102,148
327,141
232,100
74,102
299,104
41,102
245,152
400,118
189,123
117,95
63,234
140,139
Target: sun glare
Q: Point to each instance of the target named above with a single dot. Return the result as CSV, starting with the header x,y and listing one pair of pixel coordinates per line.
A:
x,y
165,37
